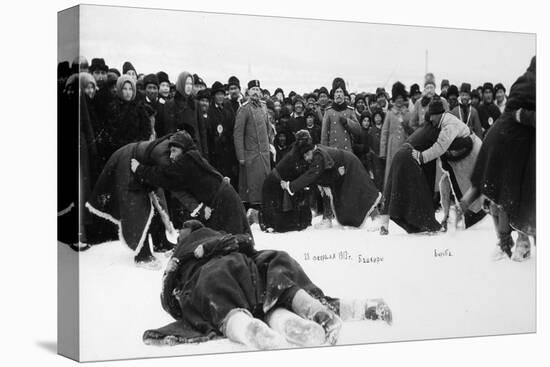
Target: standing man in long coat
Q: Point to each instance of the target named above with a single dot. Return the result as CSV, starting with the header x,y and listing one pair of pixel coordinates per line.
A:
x,y
339,121
251,136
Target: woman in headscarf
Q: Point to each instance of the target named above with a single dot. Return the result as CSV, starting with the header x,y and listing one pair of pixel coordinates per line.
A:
x,y
182,113
408,191
128,118
280,211
505,169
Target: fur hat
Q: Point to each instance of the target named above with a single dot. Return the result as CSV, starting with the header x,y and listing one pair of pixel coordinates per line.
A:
x,y
398,90
500,86
452,91
488,86
279,90
182,140
429,78
299,99
233,80
338,83
98,64
380,91
163,77
197,80
415,89
436,107
203,93
445,83
310,112
114,71
311,95
127,66
475,94
465,88
323,90
304,142
254,83
150,79
217,87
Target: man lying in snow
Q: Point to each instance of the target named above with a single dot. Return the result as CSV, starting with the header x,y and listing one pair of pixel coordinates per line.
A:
x,y
217,284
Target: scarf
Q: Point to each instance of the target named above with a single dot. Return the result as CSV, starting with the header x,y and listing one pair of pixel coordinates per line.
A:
x,y
340,107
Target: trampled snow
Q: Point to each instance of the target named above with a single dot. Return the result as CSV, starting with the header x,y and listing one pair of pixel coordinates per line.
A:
x,y
437,286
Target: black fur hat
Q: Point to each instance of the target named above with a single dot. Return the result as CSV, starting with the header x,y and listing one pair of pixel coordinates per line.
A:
x,y
415,89
452,91
217,87
488,86
163,77
465,88
398,90
436,107
304,142
233,80
337,83
323,90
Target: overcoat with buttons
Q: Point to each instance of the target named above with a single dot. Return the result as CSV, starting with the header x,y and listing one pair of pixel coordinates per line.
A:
x,y
251,137
393,134
334,134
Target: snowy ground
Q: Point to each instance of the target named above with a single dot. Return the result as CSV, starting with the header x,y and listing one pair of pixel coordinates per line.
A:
x,y
465,294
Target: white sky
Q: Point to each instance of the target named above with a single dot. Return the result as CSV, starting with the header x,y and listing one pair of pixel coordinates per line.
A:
x,y
297,54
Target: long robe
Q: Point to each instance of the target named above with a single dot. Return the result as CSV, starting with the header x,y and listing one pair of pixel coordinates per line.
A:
x,y
506,164
408,189
120,198
280,211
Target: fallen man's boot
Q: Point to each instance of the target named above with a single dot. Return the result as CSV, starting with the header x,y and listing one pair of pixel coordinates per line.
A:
x,y
295,329
365,309
241,327
523,248
310,308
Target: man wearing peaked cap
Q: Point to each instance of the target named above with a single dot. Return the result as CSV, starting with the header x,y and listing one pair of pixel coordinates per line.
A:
x,y
252,126
253,83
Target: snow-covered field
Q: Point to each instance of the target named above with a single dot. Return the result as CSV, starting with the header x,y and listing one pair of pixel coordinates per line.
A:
x,y
463,293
